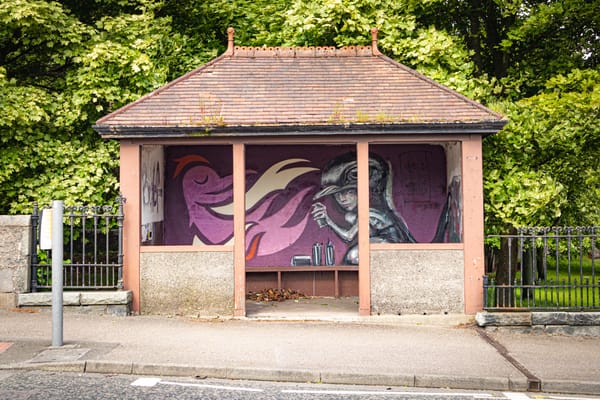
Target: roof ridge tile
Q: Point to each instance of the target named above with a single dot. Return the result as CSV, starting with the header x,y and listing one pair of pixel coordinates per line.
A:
x,y
301,51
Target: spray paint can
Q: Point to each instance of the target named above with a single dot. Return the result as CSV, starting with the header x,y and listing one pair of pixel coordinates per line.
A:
x,y
329,254
317,254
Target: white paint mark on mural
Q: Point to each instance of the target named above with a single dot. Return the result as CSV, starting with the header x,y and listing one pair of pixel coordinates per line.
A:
x,y
152,185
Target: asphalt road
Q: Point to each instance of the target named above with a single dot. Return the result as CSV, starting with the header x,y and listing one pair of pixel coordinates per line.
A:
x,y
32,385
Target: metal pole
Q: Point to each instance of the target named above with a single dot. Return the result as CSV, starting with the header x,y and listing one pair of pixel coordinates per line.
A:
x,y
57,273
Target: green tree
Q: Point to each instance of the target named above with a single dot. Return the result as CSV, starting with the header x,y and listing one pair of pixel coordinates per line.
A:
x,y
542,168
522,43
38,41
551,38
57,76
65,64
431,51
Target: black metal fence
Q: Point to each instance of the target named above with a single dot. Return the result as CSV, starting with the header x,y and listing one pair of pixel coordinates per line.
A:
x,y
543,269
93,248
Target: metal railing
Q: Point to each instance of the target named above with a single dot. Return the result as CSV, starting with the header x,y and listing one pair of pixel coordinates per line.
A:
x,y
543,269
93,248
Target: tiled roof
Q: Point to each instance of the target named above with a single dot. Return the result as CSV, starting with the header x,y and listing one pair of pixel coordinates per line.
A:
x,y
278,87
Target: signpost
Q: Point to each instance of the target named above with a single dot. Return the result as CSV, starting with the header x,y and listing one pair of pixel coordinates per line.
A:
x,y
57,273
46,229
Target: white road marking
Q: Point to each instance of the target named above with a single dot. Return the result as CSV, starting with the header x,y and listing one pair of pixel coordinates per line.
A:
x,y
150,382
241,389
388,393
516,396
146,382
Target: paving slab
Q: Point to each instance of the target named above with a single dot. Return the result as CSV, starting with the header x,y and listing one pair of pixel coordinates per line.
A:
x,y
554,357
4,346
418,351
60,354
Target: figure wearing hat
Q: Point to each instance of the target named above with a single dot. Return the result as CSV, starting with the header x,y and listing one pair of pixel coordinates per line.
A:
x,y
338,180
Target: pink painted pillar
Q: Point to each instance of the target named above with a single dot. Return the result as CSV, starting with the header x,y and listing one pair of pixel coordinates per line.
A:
x,y
239,231
472,173
130,188
364,256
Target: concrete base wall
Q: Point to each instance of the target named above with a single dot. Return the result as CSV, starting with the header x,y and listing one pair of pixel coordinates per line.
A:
x,y
417,281
117,303
571,323
15,249
187,283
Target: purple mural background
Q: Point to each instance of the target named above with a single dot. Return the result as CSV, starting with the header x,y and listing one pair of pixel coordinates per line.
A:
x,y
280,225
180,160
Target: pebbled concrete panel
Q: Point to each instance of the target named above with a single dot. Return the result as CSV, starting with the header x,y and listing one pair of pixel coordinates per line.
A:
x,y
186,283
417,281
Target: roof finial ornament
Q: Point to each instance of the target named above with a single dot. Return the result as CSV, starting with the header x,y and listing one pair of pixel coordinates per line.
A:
x,y
230,47
374,40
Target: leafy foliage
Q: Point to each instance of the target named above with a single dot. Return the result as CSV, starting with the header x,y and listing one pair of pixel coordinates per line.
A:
x,y
58,75
542,168
64,64
552,38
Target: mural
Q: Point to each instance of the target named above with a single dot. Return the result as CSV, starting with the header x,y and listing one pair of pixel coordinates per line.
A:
x,y
194,187
152,179
454,211
301,201
339,179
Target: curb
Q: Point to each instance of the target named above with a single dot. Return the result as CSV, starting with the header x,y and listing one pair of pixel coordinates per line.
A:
x,y
576,387
72,366
303,376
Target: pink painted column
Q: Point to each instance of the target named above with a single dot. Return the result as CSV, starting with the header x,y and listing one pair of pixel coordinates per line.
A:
x,y
239,231
130,188
472,177
364,256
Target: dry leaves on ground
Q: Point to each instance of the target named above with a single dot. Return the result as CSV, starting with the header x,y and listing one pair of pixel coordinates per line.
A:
x,y
275,295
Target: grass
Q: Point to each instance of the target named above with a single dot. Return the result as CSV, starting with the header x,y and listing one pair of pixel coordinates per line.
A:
x,y
561,288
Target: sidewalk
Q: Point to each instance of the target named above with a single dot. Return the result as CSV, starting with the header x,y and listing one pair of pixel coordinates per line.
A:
x,y
421,351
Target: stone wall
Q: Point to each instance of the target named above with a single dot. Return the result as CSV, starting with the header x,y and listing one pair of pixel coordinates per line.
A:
x,y
417,281
117,303
187,283
572,323
15,249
